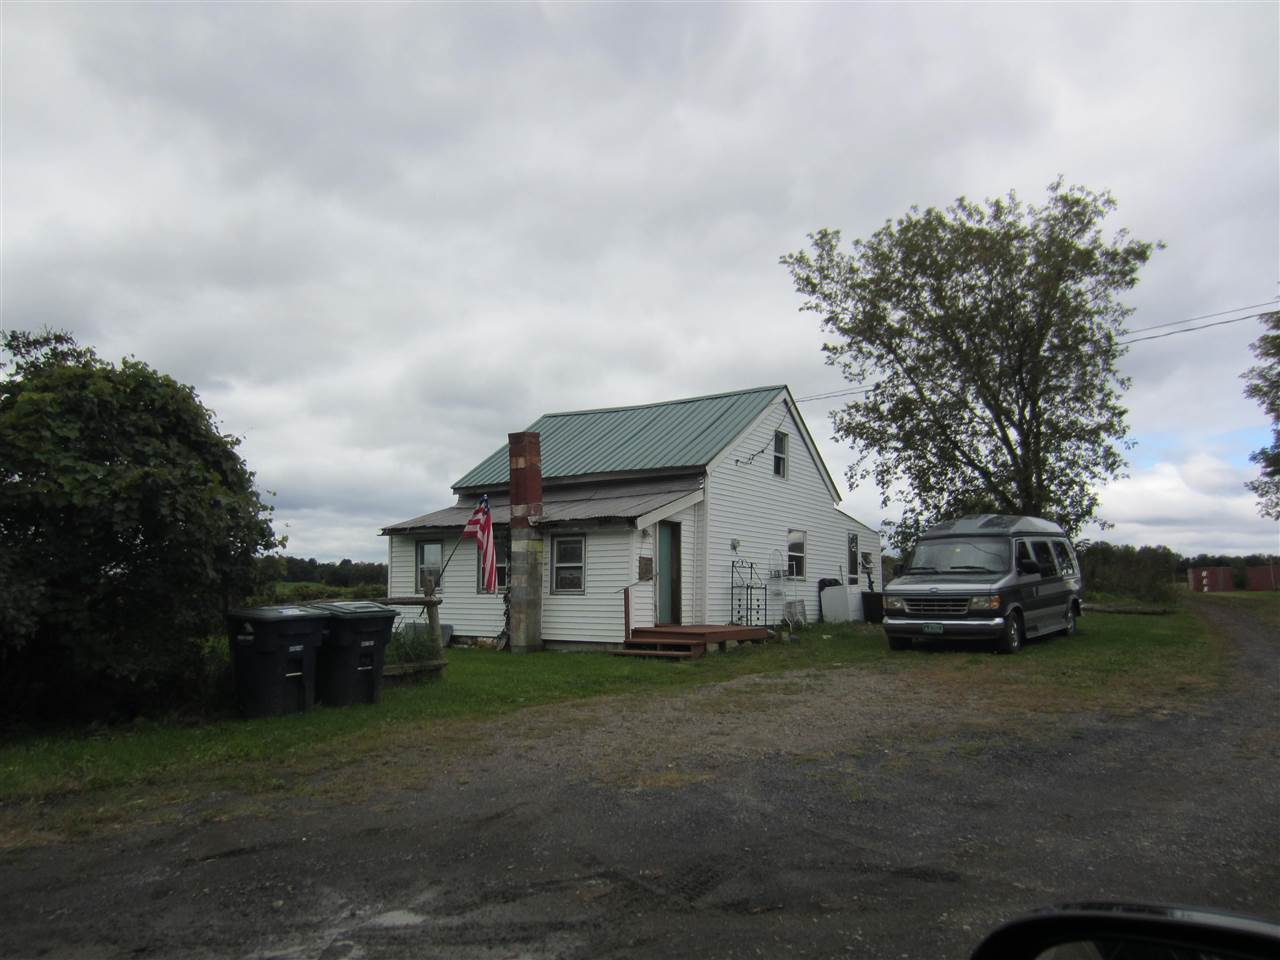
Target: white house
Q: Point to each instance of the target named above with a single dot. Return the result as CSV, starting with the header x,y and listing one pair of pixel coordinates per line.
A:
x,y
709,510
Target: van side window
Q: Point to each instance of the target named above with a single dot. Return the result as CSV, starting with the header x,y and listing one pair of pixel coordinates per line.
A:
x,y
1044,557
1063,555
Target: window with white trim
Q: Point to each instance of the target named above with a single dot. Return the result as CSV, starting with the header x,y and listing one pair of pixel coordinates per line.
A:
x,y
780,455
795,554
428,561
569,565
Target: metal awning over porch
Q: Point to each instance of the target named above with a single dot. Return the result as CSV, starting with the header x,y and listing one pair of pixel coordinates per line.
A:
x,y
642,502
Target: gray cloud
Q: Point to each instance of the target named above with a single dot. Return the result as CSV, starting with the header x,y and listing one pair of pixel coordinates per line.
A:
x,y
378,238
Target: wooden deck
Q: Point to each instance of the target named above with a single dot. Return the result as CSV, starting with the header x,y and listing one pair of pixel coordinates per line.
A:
x,y
687,642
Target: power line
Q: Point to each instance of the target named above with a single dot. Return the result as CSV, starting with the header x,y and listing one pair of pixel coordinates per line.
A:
x,y
1174,333
851,391
834,393
1206,316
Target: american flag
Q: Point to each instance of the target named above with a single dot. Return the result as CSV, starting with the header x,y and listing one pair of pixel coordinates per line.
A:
x,y
480,526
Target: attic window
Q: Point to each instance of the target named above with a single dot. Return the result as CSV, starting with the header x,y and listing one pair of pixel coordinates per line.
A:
x,y
780,455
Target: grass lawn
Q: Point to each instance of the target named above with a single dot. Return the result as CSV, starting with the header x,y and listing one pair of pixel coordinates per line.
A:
x,y
1117,663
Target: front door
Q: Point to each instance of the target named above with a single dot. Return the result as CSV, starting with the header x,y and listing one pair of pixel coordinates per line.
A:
x,y
668,572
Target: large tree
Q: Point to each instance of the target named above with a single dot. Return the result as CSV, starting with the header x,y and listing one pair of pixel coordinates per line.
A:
x,y
1264,386
984,337
128,521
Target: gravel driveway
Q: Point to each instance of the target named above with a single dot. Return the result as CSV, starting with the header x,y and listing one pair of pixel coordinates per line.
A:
x,y
833,813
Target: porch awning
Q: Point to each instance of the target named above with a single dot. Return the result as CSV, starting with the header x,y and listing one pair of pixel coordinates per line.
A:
x,y
644,500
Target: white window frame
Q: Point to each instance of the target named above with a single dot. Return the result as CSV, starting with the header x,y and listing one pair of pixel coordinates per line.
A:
x,y
556,564
781,459
417,564
790,555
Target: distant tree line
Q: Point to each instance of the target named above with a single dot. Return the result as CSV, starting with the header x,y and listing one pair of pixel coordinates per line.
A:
x,y
344,573
1152,573
1149,573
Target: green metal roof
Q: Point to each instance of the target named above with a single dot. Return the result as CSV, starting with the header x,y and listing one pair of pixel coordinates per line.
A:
x,y
655,436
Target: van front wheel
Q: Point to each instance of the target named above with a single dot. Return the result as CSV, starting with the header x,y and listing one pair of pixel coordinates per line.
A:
x,y
1011,639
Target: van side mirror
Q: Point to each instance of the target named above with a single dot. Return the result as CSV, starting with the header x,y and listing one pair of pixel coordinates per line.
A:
x,y
1028,566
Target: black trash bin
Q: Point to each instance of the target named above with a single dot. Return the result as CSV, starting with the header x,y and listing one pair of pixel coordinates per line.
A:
x,y
273,653
872,607
349,663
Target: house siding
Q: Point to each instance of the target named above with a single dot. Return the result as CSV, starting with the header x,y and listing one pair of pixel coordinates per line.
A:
x,y
470,613
643,603
595,616
592,617
746,502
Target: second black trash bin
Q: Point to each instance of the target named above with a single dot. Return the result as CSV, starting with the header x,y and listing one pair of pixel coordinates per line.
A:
x,y
273,652
349,662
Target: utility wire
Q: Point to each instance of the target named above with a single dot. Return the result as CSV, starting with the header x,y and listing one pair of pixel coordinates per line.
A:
x,y
851,391
1206,316
1174,333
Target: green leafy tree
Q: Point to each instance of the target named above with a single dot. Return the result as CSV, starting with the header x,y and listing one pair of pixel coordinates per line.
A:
x,y
1264,386
985,336
129,523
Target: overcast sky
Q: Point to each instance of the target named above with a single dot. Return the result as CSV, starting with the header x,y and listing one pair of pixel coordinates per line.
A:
x,y
378,238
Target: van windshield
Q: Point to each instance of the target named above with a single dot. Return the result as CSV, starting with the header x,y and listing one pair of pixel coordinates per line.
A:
x,y
980,554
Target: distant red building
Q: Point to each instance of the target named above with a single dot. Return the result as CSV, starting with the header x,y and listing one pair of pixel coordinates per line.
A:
x,y
1263,578
1211,579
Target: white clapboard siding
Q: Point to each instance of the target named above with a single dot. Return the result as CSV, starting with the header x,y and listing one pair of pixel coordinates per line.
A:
x,y
471,613
746,502
642,594
595,616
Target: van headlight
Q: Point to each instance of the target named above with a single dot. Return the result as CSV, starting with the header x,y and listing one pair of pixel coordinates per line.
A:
x,y
893,603
985,603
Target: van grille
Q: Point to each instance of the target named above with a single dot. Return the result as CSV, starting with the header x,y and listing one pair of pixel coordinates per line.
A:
x,y
937,606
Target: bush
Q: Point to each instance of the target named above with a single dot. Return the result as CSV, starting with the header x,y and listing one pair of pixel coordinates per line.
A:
x,y
413,643
1145,573
129,523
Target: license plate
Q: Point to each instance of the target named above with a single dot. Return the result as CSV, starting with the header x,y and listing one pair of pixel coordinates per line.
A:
x,y
931,628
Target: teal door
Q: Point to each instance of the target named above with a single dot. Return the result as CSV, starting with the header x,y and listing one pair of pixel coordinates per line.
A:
x,y
668,572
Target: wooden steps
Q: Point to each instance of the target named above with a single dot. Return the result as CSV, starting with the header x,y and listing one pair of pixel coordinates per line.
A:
x,y
680,642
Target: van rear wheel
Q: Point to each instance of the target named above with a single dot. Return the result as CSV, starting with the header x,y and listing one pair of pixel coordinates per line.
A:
x,y
1011,639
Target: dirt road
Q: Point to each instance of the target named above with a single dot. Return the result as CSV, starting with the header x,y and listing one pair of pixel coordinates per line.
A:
x,y
821,814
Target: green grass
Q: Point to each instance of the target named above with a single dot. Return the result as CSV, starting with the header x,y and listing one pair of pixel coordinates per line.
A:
x,y
82,782
478,684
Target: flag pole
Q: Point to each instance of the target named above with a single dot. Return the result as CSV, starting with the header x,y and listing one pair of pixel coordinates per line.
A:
x,y
451,553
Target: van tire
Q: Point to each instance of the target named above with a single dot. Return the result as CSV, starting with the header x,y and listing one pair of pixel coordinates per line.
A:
x,y
899,643
1070,629
1011,639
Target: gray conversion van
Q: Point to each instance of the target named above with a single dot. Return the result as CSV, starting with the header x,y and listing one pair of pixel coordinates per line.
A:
x,y
988,576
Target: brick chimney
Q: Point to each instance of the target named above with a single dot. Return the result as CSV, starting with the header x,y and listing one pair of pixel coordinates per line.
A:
x,y
525,451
